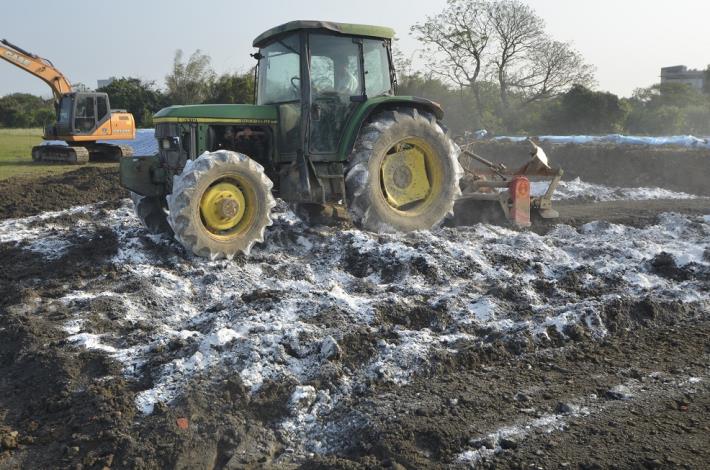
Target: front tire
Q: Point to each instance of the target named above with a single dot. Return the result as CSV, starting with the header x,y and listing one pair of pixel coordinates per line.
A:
x,y
220,205
404,173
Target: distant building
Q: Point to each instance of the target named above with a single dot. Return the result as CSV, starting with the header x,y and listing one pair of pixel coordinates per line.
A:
x,y
681,74
105,82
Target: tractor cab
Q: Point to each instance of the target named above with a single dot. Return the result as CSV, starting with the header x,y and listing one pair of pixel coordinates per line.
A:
x,y
317,74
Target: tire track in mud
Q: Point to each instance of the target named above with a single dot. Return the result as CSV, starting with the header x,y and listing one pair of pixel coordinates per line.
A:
x,y
319,335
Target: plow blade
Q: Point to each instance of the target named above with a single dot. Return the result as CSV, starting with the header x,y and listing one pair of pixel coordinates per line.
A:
x,y
488,182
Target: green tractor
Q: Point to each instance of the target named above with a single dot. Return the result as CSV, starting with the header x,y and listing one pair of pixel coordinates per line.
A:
x,y
328,135
328,130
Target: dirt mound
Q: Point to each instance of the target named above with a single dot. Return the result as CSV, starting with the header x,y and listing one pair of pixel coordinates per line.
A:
x,y
331,347
23,196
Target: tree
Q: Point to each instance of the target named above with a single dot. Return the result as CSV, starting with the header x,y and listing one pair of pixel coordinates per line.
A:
x,y
551,68
189,83
662,120
461,33
472,42
232,88
697,120
518,30
583,111
669,108
402,64
140,98
22,110
459,103
44,116
668,94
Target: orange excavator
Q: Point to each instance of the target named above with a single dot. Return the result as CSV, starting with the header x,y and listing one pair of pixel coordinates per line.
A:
x,y
83,118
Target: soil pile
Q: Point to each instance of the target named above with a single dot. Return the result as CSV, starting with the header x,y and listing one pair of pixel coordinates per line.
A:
x,y
20,197
337,348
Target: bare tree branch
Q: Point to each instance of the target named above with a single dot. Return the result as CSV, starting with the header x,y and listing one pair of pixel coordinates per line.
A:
x,y
553,67
517,30
472,42
455,42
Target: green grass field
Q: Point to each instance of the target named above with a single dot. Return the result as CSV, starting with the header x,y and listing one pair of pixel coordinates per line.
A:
x,y
16,155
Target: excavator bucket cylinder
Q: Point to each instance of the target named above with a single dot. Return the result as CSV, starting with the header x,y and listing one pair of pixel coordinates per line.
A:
x,y
519,191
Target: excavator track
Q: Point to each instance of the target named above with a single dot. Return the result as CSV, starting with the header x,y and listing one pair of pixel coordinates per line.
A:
x,y
60,154
108,152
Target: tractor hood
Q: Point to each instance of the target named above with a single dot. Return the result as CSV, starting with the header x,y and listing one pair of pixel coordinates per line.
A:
x,y
219,113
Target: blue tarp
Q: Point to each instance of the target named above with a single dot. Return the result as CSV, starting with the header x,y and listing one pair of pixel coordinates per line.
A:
x,y
144,143
677,140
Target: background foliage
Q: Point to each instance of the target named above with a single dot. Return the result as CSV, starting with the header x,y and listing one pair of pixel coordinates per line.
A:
x,y
491,64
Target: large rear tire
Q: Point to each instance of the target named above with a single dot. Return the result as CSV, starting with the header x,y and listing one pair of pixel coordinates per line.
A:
x,y
404,173
152,212
220,205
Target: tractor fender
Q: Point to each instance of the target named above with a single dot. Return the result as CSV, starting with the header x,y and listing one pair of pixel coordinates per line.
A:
x,y
374,105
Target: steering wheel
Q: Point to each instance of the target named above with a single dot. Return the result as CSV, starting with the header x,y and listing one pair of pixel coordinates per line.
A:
x,y
296,86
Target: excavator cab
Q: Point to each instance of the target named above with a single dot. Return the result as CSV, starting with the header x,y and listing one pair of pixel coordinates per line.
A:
x,y
80,114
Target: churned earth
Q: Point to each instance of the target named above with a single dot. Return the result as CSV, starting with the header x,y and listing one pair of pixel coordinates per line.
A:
x,y
581,344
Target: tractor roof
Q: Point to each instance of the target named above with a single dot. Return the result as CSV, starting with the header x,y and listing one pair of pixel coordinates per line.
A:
x,y
343,28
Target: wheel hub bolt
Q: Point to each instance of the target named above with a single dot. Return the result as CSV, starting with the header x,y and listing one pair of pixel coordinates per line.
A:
x,y
228,208
402,177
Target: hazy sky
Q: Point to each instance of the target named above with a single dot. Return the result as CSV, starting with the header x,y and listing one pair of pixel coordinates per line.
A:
x,y
627,40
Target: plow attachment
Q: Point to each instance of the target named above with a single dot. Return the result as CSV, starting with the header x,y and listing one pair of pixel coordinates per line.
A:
x,y
490,182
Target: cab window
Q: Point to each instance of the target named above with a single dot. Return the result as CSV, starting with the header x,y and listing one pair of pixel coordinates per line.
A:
x,y
377,68
336,77
85,118
65,110
280,72
101,107
335,66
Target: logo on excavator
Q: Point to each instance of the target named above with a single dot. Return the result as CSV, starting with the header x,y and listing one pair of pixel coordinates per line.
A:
x,y
17,58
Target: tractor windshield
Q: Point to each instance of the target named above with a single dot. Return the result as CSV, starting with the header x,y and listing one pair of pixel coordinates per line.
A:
x,y
280,72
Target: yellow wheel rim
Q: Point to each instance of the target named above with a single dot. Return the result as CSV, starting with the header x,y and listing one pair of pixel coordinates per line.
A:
x,y
222,207
410,174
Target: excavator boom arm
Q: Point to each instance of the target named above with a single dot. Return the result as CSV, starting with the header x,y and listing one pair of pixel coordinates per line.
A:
x,y
37,66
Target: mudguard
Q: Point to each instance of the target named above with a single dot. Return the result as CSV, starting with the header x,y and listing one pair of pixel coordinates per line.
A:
x,y
380,103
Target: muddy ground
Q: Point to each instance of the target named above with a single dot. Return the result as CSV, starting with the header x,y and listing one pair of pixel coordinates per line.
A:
x,y
622,382
23,196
